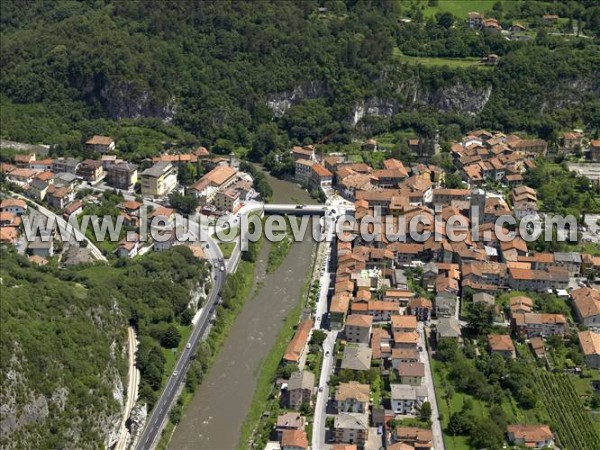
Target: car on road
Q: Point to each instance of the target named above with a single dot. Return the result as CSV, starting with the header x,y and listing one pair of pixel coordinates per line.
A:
x,y
189,345
327,353
175,373
222,269
321,389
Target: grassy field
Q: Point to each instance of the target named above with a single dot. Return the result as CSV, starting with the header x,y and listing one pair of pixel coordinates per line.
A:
x,y
226,248
170,355
449,406
460,9
426,61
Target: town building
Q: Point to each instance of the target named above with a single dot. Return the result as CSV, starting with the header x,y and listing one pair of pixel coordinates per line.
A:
x,y
24,161
358,328
474,20
15,206
123,176
406,399
352,428
537,324
530,436
411,373
419,438
218,179
502,344
65,165
37,189
448,328
586,302
21,177
294,440
289,421
303,153
320,177
42,246
421,308
102,144
302,170
357,357
91,170
300,389
352,397
42,164
59,197
589,342
228,200
572,140
296,348
158,180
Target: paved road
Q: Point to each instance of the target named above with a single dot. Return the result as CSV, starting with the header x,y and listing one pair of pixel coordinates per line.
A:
x,y
320,417
158,416
436,427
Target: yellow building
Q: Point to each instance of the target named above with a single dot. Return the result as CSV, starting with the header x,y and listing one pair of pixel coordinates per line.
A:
x,y
159,180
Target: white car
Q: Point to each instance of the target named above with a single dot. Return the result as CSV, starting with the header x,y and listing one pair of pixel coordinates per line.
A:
x,y
174,373
189,345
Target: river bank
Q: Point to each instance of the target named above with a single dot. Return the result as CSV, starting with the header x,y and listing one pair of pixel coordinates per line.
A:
x,y
214,417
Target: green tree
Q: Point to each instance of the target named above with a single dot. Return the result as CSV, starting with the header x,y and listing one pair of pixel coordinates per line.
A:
x,y
445,20
185,204
318,337
425,411
460,424
486,434
480,318
171,337
453,181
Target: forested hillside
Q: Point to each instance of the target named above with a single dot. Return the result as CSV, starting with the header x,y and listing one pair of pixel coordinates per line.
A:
x,y
63,343
259,74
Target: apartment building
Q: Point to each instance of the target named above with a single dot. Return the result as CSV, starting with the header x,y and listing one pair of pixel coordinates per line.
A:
x,y
159,180
535,324
351,428
358,328
352,397
123,176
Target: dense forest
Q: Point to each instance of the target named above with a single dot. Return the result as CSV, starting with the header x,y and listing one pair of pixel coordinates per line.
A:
x,y
262,75
63,343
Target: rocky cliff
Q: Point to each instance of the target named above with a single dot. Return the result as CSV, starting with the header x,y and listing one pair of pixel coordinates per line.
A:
x,y
409,95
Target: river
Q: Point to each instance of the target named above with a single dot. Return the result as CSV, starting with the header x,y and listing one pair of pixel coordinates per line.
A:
x,y
212,420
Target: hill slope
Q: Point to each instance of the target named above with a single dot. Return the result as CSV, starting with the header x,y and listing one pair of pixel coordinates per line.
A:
x,y
63,342
221,69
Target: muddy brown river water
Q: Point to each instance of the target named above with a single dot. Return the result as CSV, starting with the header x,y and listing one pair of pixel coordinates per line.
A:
x,y
213,419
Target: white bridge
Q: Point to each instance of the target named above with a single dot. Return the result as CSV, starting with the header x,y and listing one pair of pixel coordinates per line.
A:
x,y
297,209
